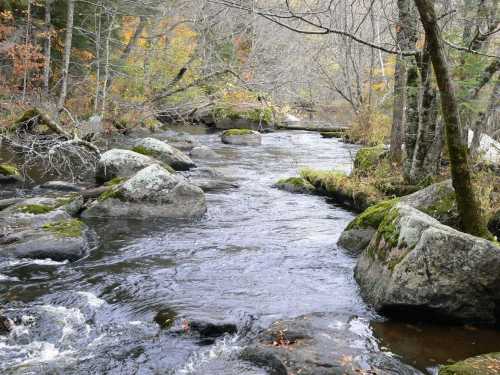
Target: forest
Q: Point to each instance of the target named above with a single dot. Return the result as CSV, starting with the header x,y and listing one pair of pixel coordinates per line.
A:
x,y
250,187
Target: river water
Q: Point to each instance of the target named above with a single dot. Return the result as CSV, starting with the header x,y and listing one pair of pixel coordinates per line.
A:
x,y
258,255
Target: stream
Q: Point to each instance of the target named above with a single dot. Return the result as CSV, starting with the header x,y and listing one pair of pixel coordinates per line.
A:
x,y
258,255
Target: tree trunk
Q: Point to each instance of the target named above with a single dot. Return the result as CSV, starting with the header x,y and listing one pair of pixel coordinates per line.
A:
x,y
406,37
47,47
67,53
468,207
429,138
412,118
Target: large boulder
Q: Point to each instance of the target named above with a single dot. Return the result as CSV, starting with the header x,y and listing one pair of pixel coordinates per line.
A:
x,y
322,344
152,192
243,137
121,163
44,227
486,364
436,200
417,267
165,153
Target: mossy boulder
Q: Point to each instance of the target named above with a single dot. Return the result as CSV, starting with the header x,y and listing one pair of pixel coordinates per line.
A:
x,y
358,234
367,159
121,163
417,267
164,152
329,135
10,174
294,185
243,137
44,227
153,192
487,364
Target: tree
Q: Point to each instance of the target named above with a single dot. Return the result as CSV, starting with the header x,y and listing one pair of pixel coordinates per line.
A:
x,y
470,214
67,53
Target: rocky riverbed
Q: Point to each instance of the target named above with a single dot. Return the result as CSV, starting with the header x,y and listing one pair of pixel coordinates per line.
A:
x,y
245,279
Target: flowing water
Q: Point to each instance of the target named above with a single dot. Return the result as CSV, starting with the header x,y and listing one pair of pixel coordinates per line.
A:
x,y
258,255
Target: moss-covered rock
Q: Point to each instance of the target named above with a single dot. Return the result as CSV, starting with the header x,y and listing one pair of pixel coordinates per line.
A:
x,y
417,267
367,159
337,134
372,216
243,137
165,153
294,185
245,118
65,228
487,364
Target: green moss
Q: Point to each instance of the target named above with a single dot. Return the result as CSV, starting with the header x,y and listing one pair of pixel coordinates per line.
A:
x,y
112,193
65,228
442,207
9,170
115,181
388,228
236,132
367,159
488,364
144,151
297,182
36,209
372,216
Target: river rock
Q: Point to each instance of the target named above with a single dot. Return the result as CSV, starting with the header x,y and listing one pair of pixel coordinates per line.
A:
x,y
322,344
44,227
417,267
150,193
241,137
181,141
6,325
61,186
486,364
294,185
203,152
437,200
162,151
121,163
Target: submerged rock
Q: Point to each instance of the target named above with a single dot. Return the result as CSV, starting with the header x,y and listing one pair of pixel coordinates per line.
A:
x,y
121,163
212,329
486,364
44,227
294,185
6,325
322,344
165,153
417,267
243,137
151,192
203,152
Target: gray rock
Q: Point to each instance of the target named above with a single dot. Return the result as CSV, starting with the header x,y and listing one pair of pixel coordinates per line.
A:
x,y
356,240
203,152
417,267
213,185
181,141
151,193
165,153
121,163
242,138
44,227
61,186
322,344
